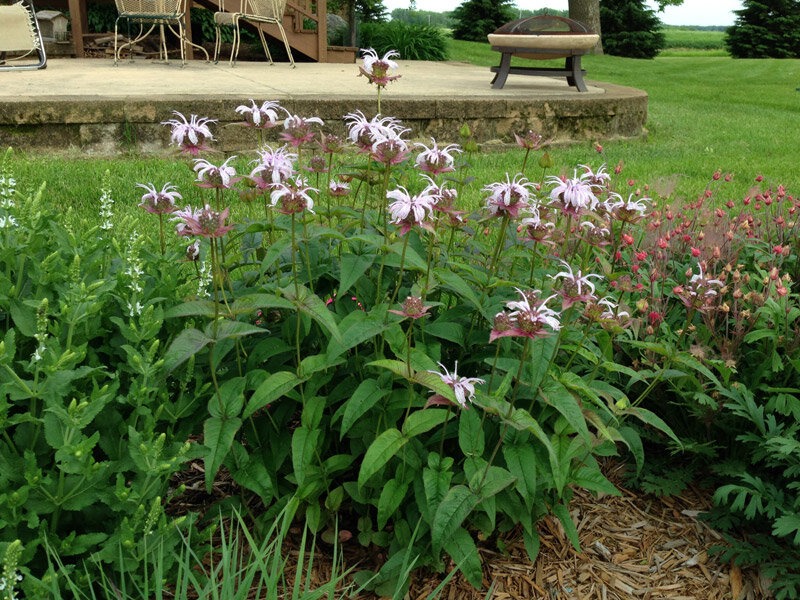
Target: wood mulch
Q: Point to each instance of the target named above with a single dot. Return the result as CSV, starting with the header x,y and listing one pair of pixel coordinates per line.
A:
x,y
633,546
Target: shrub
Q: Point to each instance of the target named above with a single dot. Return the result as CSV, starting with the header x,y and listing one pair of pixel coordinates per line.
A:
x,y
413,42
630,29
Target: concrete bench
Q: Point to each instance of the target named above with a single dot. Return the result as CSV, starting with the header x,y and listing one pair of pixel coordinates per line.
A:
x,y
542,46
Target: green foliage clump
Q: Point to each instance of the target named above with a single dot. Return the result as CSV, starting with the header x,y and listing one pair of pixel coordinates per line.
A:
x,y
765,29
475,19
630,29
412,42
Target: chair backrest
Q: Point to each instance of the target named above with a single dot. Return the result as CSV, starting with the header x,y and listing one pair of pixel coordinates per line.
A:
x,y
267,9
150,7
17,29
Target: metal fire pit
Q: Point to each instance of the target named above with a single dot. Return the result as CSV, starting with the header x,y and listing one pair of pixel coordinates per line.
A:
x,y
541,38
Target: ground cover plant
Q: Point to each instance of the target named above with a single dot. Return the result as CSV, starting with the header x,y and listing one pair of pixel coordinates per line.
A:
x,y
359,348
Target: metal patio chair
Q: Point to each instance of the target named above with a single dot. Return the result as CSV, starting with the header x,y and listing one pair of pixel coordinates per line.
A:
x,y
254,11
20,38
149,14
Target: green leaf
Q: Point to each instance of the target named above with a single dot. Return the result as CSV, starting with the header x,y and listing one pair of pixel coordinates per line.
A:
x,y
786,525
313,306
382,449
542,351
654,420
457,284
633,441
456,506
471,437
225,329
195,308
274,387
446,330
218,435
304,451
490,482
589,477
423,420
521,462
559,397
230,399
562,512
392,496
188,343
353,266
461,548
397,367
436,479
413,261
356,328
367,395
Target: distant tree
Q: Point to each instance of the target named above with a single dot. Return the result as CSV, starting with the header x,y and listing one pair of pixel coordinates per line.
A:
x,y
630,29
765,29
423,17
371,11
588,13
475,19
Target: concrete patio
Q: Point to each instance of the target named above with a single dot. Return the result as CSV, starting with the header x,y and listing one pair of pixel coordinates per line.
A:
x,y
93,107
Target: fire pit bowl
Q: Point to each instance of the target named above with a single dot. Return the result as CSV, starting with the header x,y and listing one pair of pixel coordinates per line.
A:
x,y
540,38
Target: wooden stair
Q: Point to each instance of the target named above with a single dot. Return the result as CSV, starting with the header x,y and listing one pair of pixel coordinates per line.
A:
x,y
306,26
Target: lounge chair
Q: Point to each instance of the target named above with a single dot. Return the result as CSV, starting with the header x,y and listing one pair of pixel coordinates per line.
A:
x,y
20,38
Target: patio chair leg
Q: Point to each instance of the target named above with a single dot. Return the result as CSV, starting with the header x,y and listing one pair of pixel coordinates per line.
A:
x,y
237,38
264,45
286,43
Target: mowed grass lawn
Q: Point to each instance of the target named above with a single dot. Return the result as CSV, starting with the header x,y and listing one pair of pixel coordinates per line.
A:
x,y
704,113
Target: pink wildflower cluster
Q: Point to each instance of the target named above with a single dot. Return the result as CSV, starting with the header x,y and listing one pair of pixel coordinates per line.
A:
x,y
376,69
528,317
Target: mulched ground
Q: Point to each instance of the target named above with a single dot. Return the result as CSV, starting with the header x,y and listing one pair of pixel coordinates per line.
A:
x,y
634,546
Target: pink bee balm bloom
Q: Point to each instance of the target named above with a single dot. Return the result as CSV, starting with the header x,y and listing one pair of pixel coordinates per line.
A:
x,y
576,287
530,141
159,203
598,178
193,251
293,197
413,308
508,197
631,210
390,150
436,160
463,387
297,130
365,132
376,69
408,210
273,166
191,136
573,196
528,318
203,222
536,229
212,176
338,188
261,117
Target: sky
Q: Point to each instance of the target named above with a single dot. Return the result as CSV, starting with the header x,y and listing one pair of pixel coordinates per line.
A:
x,y
691,12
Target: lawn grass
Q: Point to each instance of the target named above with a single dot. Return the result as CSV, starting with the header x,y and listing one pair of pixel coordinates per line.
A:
x,y
704,113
